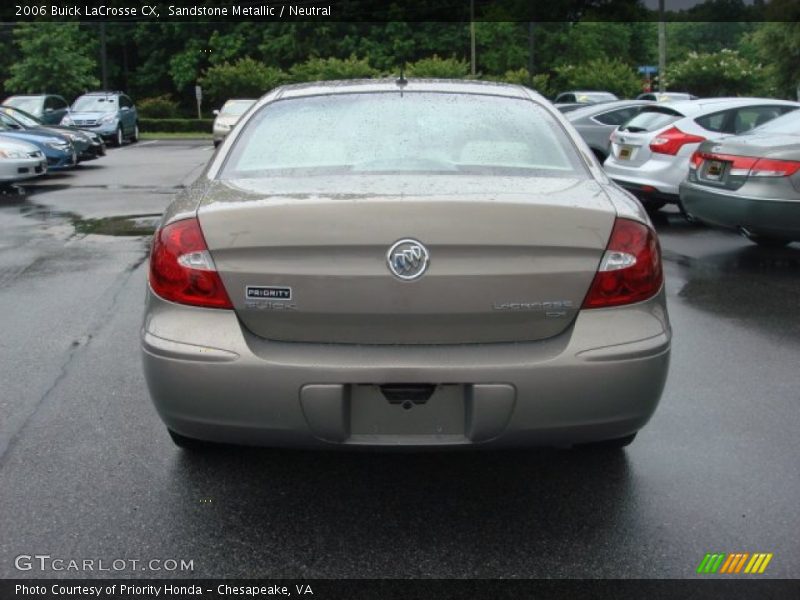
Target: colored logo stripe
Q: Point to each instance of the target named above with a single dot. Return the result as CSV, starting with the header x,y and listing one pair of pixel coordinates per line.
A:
x,y
734,563
758,563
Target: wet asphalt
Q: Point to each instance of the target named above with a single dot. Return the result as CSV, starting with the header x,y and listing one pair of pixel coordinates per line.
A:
x,y
87,470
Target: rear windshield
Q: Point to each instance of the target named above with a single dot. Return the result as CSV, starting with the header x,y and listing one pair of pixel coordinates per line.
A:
x,y
20,116
652,119
392,132
789,123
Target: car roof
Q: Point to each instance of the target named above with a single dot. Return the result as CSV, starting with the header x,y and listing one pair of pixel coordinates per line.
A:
x,y
596,109
351,86
102,93
705,105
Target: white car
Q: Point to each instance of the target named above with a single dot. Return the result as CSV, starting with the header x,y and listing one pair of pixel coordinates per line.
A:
x,y
650,153
228,116
20,160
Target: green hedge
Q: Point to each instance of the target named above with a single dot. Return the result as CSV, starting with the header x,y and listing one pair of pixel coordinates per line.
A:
x,y
175,125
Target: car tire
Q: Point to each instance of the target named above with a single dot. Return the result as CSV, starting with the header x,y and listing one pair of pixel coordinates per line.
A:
x,y
217,143
119,137
768,242
135,136
614,444
652,205
187,443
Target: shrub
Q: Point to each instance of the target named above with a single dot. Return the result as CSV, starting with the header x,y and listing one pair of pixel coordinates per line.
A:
x,y
723,73
439,68
175,125
326,69
158,107
245,78
540,83
598,74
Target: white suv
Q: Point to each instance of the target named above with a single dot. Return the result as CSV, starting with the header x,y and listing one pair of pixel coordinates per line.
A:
x,y
650,153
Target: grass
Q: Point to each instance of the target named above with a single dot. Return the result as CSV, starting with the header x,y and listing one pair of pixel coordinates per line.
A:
x,y
174,135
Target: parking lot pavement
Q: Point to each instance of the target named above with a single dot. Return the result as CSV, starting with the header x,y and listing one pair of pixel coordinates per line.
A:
x,y
87,470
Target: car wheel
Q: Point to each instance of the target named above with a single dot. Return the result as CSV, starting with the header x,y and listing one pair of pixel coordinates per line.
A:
x,y
652,205
135,136
768,242
615,444
119,138
187,443
600,156
217,143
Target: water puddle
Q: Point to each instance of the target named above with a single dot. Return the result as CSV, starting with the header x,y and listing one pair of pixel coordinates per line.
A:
x,y
118,226
125,225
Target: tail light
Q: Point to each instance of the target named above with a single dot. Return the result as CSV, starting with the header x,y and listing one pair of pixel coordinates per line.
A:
x,y
672,140
767,167
181,267
742,166
631,267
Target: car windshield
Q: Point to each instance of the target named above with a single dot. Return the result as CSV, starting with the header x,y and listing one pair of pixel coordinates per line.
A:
x,y
26,103
236,107
393,132
95,104
789,123
594,97
22,117
10,122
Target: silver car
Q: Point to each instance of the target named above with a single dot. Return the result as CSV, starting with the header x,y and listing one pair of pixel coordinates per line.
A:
x,y
597,122
227,117
20,160
750,183
650,153
405,264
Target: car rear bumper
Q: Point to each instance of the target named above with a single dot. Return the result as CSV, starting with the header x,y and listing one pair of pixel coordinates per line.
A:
x,y
772,218
211,379
659,177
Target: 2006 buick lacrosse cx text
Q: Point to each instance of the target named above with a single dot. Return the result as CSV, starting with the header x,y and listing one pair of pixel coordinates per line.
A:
x,y
405,263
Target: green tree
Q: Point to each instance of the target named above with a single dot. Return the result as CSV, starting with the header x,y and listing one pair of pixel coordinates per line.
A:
x,y
246,78
53,57
778,45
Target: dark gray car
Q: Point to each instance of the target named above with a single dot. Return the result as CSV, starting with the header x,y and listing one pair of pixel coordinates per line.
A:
x,y
749,182
49,108
596,122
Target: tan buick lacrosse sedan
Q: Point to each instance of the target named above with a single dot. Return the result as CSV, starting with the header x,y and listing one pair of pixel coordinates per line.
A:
x,y
405,263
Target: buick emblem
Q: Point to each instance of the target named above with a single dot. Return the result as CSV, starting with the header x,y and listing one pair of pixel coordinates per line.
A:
x,y
407,259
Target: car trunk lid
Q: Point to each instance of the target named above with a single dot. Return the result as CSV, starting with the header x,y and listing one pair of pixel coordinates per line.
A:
x,y
511,258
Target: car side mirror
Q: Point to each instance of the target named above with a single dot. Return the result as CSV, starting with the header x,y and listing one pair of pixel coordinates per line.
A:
x,y
215,111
